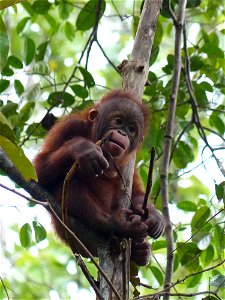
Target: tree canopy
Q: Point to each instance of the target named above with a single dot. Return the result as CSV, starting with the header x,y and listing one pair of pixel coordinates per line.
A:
x,y
60,56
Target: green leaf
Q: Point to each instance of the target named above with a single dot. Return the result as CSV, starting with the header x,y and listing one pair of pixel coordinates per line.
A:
x,y
21,25
216,121
7,71
26,111
9,108
154,54
36,129
4,84
200,217
196,63
183,155
52,22
18,87
4,42
88,79
15,62
41,7
176,262
187,206
207,256
26,235
194,280
135,24
5,128
158,274
188,254
220,190
193,3
64,10
61,98
41,68
32,93
200,94
29,50
18,158
69,31
158,33
40,52
80,91
218,281
88,15
212,50
158,245
40,232
206,86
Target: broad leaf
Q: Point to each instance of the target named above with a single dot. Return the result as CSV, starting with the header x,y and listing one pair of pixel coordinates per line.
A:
x,y
20,161
29,50
40,232
26,235
88,15
4,42
200,217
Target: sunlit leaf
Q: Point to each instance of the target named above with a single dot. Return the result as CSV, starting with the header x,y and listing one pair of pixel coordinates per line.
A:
x,y
18,158
64,10
40,232
5,128
26,235
207,256
4,42
158,274
187,206
41,51
21,25
194,280
69,31
200,217
158,245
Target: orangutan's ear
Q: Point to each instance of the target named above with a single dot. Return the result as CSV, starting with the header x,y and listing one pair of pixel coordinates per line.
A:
x,y
92,115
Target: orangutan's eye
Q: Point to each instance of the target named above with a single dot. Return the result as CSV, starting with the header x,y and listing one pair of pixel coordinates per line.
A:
x,y
132,129
118,121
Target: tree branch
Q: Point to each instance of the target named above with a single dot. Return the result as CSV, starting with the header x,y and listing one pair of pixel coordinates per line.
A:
x,y
168,143
134,73
50,204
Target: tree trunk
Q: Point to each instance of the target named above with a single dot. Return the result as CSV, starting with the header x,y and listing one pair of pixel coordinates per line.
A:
x,y
114,256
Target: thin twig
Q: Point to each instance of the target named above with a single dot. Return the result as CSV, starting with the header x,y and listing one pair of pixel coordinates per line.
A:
x,y
23,196
168,142
5,288
86,273
149,180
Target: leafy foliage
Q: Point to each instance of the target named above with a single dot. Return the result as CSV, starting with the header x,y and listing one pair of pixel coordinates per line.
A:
x,y
53,68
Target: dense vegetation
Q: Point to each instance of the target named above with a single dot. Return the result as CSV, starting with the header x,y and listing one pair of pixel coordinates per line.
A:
x,y
56,58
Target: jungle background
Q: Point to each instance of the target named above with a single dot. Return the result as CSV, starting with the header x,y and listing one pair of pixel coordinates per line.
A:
x,y
56,59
